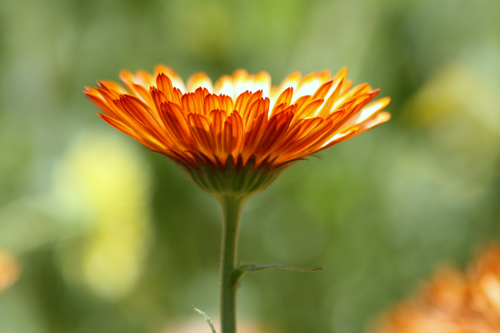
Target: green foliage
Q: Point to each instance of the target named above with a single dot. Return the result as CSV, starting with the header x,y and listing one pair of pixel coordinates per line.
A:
x,y
250,268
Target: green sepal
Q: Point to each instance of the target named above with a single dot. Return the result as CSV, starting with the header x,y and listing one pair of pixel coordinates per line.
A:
x,y
235,177
209,322
243,269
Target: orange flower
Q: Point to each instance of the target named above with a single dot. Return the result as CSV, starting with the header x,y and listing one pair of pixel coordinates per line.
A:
x,y
453,302
242,124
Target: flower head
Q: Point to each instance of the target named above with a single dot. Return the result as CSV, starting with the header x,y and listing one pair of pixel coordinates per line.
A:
x,y
452,301
237,135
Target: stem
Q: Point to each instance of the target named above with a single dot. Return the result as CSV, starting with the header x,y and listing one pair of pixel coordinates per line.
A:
x,y
231,209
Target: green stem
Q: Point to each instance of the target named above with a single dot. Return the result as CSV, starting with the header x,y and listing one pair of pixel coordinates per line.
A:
x,y
231,209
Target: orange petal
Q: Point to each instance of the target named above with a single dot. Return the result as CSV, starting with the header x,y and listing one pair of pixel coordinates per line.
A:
x,y
199,80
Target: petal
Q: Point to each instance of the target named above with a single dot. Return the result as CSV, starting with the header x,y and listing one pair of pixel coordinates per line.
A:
x,y
176,80
199,80
369,110
285,99
202,132
233,134
225,86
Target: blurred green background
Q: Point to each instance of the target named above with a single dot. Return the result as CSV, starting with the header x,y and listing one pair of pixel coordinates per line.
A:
x,y
114,238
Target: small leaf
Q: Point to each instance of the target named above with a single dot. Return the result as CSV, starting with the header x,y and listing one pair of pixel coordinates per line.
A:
x,y
209,322
243,269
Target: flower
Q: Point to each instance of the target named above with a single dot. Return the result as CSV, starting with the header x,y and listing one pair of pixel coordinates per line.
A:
x,y
237,135
453,302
